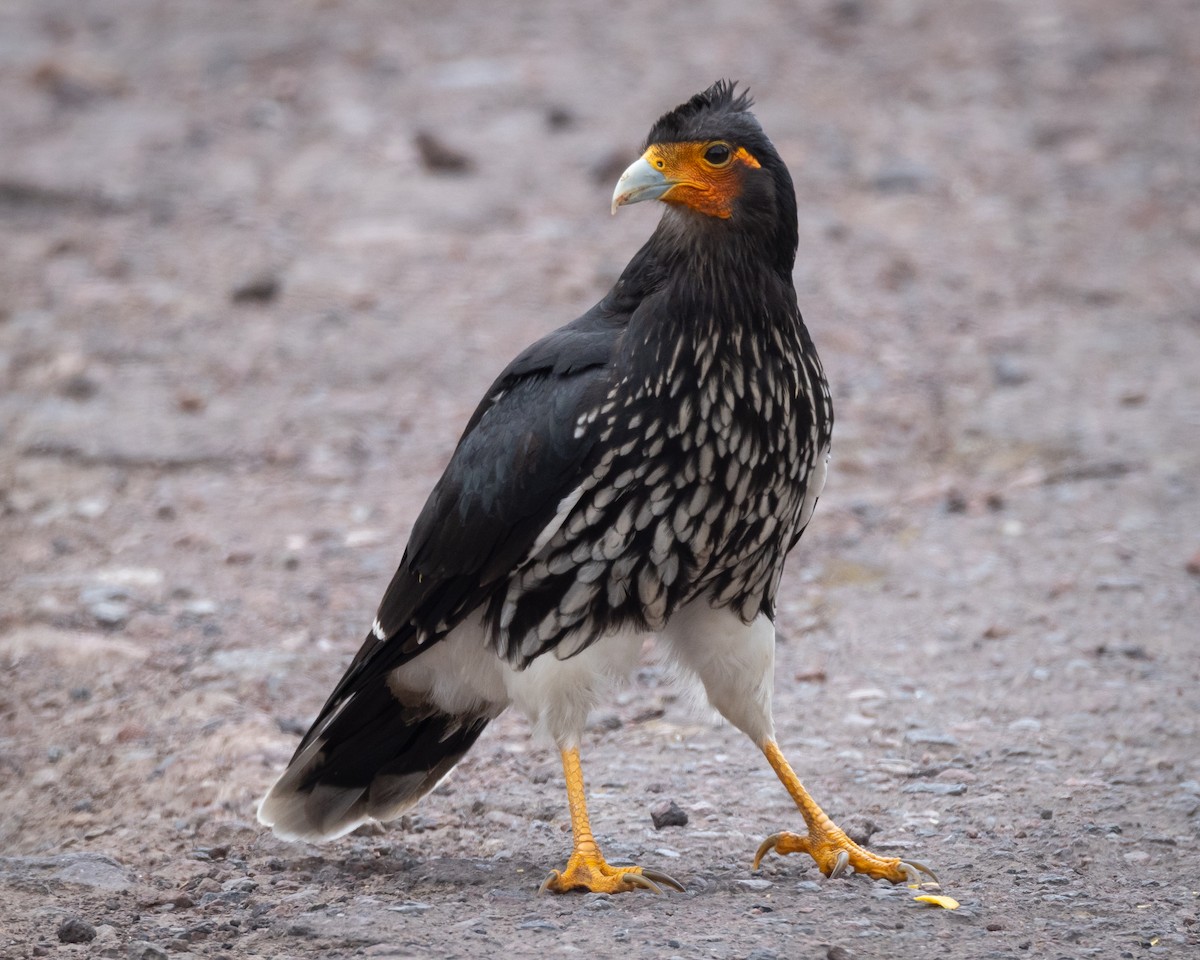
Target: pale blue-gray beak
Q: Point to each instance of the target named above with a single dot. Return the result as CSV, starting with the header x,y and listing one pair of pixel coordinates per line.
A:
x,y
639,182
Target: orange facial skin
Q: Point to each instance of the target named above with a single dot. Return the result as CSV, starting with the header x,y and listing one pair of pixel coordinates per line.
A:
x,y
699,183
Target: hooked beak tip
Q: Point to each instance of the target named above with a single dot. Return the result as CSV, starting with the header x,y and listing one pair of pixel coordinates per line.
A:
x,y
639,182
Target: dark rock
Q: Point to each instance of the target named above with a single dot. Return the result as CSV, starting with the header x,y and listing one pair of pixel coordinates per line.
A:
x,y
437,157
559,118
79,387
667,813
1193,564
75,930
260,287
850,12
898,274
190,402
22,195
859,829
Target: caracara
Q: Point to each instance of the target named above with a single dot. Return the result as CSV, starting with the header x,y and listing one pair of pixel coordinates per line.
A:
x,y
644,469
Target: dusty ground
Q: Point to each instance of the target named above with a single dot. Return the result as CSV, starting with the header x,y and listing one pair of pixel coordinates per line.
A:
x,y
243,317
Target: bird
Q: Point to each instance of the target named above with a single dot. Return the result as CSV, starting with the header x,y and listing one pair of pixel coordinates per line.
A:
x,y
644,469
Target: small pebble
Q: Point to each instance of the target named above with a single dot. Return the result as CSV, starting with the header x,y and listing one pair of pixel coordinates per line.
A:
x,y
142,950
935,738
260,287
75,930
1193,564
1008,371
110,613
537,925
667,813
438,157
901,176
559,118
1119,583
411,906
935,787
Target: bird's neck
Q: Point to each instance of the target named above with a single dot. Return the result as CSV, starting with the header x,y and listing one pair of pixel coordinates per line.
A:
x,y
722,285
690,243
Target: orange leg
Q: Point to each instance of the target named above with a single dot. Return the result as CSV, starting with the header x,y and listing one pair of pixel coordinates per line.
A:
x,y
826,842
586,869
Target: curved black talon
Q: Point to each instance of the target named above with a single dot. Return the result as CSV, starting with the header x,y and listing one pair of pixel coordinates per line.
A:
x,y
913,870
665,879
841,867
764,848
643,881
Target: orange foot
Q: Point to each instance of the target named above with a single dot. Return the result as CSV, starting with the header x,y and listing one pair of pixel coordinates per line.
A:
x,y
589,872
837,855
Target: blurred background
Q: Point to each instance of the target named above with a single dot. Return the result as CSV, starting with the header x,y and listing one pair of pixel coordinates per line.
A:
x,y
258,261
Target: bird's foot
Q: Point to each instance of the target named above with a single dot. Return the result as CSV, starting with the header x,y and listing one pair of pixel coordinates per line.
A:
x,y
588,871
837,855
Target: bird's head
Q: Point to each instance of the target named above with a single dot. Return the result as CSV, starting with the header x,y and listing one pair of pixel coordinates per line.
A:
x,y
710,160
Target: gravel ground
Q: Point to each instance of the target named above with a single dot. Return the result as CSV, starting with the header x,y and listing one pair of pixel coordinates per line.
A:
x,y
257,263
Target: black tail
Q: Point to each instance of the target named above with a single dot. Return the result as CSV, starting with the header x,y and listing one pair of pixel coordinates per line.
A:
x,y
369,756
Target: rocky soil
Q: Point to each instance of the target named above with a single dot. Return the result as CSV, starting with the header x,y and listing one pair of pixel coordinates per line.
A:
x,y
259,260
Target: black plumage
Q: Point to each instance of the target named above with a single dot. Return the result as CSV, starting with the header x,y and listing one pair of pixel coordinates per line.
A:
x,y
662,452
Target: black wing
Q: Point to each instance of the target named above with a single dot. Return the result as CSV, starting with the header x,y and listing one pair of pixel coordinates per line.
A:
x,y
519,455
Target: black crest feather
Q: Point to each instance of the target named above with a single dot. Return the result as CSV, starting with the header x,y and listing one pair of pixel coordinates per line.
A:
x,y
689,120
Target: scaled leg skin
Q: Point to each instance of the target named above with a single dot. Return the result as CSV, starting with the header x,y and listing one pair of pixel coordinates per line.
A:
x,y
586,869
835,853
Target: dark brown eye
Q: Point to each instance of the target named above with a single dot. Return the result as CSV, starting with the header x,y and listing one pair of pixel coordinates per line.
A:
x,y
718,154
